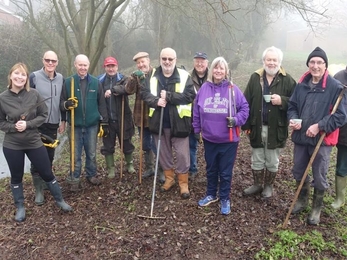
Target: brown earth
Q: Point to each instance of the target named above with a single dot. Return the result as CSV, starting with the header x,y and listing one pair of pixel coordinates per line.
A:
x,y
105,222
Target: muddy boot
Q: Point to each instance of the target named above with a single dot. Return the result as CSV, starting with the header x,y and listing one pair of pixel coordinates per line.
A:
x,y
39,196
302,201
18,197
161,174
183,182
75,183
257,187
110,166
340,187
129,162
169,180
55,190
314,217
268,184
149,164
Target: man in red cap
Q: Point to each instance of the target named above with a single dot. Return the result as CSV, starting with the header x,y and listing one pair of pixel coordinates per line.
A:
x,y
117,103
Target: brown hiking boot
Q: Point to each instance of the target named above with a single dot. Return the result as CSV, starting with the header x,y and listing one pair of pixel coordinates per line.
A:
x,y
94,180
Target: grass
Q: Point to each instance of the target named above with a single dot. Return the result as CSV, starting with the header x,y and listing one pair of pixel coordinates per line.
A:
x,y
290,245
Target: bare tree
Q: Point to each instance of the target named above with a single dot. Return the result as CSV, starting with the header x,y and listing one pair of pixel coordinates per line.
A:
x,y
236,27
77,26
16,40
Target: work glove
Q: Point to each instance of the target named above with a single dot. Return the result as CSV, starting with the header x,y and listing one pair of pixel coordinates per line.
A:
x,y
48,141
71,103
103,130
198,138
139,74
231,122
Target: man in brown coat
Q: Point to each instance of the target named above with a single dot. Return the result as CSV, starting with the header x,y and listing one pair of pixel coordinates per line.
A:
x,y
141,111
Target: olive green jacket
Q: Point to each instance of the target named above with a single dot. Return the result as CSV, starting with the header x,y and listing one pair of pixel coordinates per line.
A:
x,y
282,85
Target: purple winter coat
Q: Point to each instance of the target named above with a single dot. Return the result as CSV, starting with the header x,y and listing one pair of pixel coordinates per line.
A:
x,y
211,108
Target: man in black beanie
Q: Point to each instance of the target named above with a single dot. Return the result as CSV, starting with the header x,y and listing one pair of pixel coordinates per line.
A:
x,y
317,52
312,101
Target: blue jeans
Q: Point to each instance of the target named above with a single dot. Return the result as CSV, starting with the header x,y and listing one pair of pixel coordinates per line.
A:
x,y
148,142
193,145
220,160
85,137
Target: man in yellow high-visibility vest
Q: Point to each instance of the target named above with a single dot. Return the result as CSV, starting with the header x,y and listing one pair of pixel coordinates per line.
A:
x,y
171,89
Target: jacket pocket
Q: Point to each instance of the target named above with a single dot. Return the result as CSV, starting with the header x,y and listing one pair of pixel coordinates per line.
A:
x,y
181,127
154,122
282,131
331,138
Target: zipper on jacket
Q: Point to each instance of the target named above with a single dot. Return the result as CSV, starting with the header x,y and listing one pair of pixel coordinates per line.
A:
x,y
111,115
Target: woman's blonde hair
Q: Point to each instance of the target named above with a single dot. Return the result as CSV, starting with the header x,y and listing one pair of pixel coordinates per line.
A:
x,y
215,62
23,68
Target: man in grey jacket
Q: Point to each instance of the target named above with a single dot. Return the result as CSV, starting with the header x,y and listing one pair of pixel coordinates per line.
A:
x,y
49,84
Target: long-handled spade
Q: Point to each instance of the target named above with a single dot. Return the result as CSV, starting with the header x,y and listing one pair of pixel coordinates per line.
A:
x,y
156,169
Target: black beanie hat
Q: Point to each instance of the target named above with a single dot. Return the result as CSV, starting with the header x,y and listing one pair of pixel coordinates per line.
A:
x,y
318,52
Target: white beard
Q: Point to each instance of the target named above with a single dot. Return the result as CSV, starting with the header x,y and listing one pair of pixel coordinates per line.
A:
x,y
272,72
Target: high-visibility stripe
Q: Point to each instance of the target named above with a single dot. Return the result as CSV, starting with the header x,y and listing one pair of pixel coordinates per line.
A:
x,y
183,110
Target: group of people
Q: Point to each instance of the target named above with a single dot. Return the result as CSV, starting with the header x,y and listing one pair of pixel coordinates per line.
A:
x,y
174,111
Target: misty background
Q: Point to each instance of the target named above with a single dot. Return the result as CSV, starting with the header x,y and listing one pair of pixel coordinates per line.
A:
x,y
238,30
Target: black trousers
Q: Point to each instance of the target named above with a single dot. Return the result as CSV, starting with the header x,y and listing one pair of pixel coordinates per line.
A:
x,y
109,142
38,157
51,131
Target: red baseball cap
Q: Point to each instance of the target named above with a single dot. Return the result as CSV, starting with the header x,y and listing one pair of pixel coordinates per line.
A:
x,y
110,61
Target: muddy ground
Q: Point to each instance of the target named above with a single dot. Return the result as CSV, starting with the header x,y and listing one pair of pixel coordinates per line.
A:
x,y
105,222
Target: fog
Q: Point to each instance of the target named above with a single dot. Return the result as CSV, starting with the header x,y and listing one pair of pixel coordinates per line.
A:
x,y
328,31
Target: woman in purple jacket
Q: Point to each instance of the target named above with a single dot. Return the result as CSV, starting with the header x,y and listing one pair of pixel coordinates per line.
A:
x,y
220,109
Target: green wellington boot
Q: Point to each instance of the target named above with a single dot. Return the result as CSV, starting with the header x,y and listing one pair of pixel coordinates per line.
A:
x,y
257,187
110,166
340,187
317,203
39,196
302,201
129,161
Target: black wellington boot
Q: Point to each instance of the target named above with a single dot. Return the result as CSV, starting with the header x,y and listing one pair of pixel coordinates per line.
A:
x,y
55,190
18,196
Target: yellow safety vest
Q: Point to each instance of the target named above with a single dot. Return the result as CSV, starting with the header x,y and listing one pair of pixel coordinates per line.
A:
x,y
183,110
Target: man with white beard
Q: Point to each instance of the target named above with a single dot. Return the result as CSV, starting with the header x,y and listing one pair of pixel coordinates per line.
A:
x,y
267,124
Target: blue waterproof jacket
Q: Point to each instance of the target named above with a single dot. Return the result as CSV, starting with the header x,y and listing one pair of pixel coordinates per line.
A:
x,y
315,106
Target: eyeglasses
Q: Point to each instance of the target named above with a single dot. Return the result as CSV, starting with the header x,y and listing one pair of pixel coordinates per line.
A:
x,y
165,59
49,61
312,62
